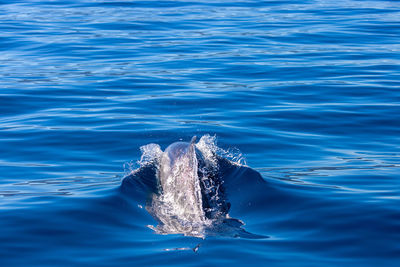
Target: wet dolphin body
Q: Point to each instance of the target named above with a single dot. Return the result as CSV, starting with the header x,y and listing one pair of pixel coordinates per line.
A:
x,y
187,192
178,177
191,182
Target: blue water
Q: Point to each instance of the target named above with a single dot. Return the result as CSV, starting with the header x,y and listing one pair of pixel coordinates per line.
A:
x,y
307,91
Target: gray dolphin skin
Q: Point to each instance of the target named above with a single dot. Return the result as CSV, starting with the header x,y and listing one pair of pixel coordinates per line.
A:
x,y
178,150
179,207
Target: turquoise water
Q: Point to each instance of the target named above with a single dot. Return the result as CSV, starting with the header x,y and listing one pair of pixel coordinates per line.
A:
x,y
305,93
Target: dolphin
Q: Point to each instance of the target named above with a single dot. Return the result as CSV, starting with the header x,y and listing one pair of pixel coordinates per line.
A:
x,y
188,192
178,178
188,195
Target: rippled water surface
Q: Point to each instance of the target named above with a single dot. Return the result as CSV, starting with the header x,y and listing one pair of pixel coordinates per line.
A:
x,y
307,91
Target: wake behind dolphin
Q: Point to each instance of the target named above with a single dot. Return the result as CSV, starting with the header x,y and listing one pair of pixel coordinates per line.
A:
x,y
186,188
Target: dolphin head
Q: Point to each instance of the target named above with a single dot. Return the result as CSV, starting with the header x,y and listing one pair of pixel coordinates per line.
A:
x,y
177,151
179,203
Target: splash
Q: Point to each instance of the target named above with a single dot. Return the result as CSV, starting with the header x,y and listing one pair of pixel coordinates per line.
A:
x,y
208,146
150,154
190,197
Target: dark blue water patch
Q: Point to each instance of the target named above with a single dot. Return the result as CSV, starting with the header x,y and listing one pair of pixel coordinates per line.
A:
x,y
69,223
306,91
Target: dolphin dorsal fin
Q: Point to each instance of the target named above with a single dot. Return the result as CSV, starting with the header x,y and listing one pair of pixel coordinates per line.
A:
x,y
193,140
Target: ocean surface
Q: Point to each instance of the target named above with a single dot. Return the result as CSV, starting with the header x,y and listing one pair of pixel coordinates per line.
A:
x,y
305,94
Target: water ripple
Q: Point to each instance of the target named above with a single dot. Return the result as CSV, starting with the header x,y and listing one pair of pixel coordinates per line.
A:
x,y
306,90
